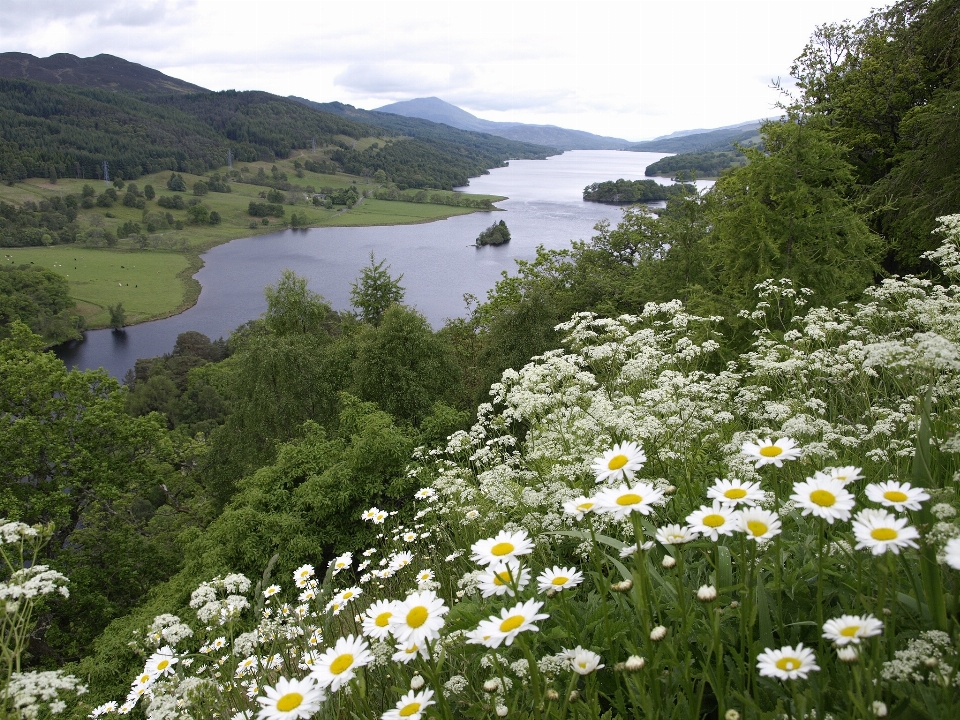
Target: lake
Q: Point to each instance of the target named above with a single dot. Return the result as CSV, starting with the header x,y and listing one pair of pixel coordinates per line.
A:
x,y
437,260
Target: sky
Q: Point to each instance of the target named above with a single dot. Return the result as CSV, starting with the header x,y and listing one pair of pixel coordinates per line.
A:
x,y
634,70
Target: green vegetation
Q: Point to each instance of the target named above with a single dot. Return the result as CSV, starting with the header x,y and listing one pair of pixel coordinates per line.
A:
x,y
628,192
40,299
496,234
689,165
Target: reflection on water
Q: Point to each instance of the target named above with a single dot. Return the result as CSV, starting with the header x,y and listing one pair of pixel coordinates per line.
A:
x,y
438,260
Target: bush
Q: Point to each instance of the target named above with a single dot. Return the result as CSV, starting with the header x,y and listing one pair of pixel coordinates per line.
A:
x,y
265,209
176,183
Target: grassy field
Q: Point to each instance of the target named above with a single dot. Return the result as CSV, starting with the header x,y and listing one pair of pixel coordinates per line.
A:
x,y
156,281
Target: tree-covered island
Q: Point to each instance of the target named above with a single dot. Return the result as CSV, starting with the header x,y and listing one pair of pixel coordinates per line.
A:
x,y
628,192
496,234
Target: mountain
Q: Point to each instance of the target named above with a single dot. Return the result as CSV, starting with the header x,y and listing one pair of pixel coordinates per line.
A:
x,y
718,139
101,71
438,111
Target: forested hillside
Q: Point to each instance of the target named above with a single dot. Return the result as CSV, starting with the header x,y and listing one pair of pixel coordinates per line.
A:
x,y
700,465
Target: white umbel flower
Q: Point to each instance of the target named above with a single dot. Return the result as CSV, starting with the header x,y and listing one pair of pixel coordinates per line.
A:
x,y
338,665
619,463
848,629
622,500
735,492
787,663
502,548
899,496
290,700
823,497
880,531
767,452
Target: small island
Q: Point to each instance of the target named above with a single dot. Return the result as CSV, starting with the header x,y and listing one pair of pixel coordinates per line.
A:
x,y
496,234
628,192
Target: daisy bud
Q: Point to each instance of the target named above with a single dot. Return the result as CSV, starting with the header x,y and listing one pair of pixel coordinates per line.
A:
x,y
622,586
491,686
552,694
502,711
731,714
574,696
848,654
879,708
931,662
734,604
707,593
669,489
658,633
634,663
887,611
668,561
551,593
416,682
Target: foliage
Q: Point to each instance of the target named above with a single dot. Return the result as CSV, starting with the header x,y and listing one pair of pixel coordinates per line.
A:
x,y
496,234
40,299
118,318
690,165
52,221
375,291
627,192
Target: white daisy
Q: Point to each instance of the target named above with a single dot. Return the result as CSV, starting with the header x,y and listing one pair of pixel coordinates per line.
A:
x,y
425,493
787,663
578,507
847,474
735,492
419,618
161,662
880,531
379,517
712,522
848,629
471,514
505,546
675,534
558,578
410,706
823,497
342,562
619,463
271,591
409,536
337,666
400,560
900,496
290,700
407,652
424,576
376,619
369,514
765,452
302,574
758,524
951,553
582,661
348,595
622,500
500,579
495,631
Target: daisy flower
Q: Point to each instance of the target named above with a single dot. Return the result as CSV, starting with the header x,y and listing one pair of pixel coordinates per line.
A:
x,y
951,553
848,629
558,578
425,493
581,661
161,662
500,579
418,618
847,474
400,560
349,594
406,653
337,666
620,501
512,621
410,706
758,524
675,534
369,514
712,522
302,574
619,463
424,576
823,497
379,516
271,591
290,700
505,546
409,536
735,492
342,562
900,496
766,452
376,619
787,663
578,507
880,531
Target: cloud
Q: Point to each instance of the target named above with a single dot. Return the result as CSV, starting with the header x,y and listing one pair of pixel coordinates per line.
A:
x,y
408,78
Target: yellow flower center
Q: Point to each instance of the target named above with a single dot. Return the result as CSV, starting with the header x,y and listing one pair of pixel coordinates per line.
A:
x,y
347,595
895,496
289,702
501,578
560,580
788,663
823,498
629,499
883,534
341,663
584,506
850,631
714,520
512,623
163,665
617,462
771,451
417,616
409,709
757,528
735,493
502,548
383,619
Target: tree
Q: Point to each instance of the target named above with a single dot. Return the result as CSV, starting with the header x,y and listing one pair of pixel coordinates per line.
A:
x,y
199,214
176,183
200,188
148,192
118,317
375,291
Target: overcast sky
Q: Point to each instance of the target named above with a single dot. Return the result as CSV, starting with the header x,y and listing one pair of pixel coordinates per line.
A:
x,y
633,69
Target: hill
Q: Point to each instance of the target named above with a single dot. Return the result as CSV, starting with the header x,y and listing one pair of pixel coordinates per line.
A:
x,y
719,139
101,71
437,110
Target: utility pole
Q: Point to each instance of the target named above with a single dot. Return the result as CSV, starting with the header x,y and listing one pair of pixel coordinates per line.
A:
x,y
229,158
314,144
106,173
